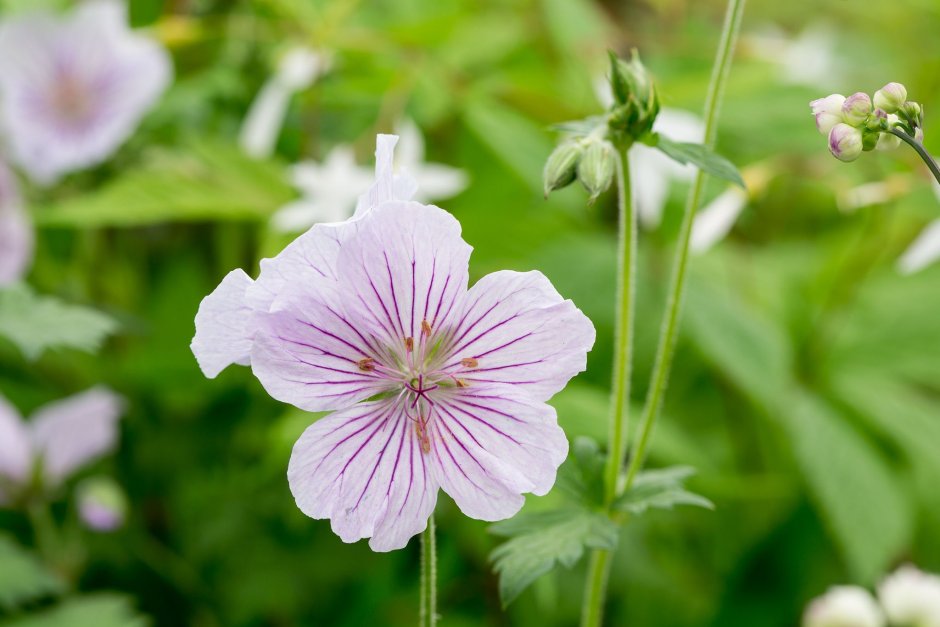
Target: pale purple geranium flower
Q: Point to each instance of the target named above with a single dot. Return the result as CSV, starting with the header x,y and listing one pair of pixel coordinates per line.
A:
x,y
16,232
58,440
102,506
74,88
431,384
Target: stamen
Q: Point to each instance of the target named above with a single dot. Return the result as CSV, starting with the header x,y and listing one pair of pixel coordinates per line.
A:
x,y
422,433
366,364
461,383
425,328
469,362
409,344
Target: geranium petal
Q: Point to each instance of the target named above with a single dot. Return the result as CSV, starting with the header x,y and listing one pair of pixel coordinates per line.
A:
x,y
307,350
406,264
70,433
223,335
16,457
387,185
364,470
520,331
491,445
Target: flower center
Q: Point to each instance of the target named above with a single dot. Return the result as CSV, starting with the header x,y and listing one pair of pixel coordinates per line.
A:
x,y
419,369
71,100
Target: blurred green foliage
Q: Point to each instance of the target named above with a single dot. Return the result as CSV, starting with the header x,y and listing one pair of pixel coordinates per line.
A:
x,y
805,389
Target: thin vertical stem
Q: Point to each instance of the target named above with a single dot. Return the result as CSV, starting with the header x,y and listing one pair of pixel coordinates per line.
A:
x,y
623,336
599,568
670,328
427,615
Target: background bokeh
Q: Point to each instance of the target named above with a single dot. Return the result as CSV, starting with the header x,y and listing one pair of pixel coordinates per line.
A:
x,y
806,387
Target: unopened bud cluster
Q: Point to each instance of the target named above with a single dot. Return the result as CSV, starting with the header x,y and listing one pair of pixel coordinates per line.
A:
x,y
589,153
591,160
861,123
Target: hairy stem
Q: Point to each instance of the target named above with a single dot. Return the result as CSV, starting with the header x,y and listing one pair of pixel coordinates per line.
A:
x,y
670,328
916,145
599,569
427,614
623,342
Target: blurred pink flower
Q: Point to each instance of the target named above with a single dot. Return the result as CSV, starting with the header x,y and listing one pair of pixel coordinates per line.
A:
x,y
433,385
102,506
16,232
59,439
74,88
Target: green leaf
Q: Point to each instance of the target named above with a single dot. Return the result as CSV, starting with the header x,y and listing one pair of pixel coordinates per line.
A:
x,y
700,156
541,540
581,476
860,498
98,610
206,180
660,489
36,323
22,577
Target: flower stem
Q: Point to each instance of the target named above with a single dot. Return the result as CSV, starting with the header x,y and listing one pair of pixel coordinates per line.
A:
x,y
427,615
623,343
595,586
670,328
919,147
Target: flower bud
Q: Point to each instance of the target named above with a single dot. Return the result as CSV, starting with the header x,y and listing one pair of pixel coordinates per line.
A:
x,y
636,101
562,166
919,134
596,169
887,141
891,97
870,139
913,113
102,505
845,142
856,108
828,112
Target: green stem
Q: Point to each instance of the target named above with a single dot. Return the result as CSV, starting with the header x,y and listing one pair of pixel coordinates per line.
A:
x,y
595,589
919,147
427,615
623,336
595,586
670,328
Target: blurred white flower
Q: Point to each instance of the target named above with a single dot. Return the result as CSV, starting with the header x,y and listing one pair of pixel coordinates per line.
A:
x,y
652,172
911,597
59,439
16,232
435,181
74,87
808,59
296,71
923,251
714,221
844,606
102,505
331,190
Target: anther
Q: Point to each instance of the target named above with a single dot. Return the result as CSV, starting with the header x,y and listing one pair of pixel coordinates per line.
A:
x,y
409,344
425,328
461,383
469,362
422,434
366,364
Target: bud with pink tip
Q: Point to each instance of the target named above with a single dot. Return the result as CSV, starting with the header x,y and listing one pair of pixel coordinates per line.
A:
x,y
845,142
891,97
856,108
828,112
